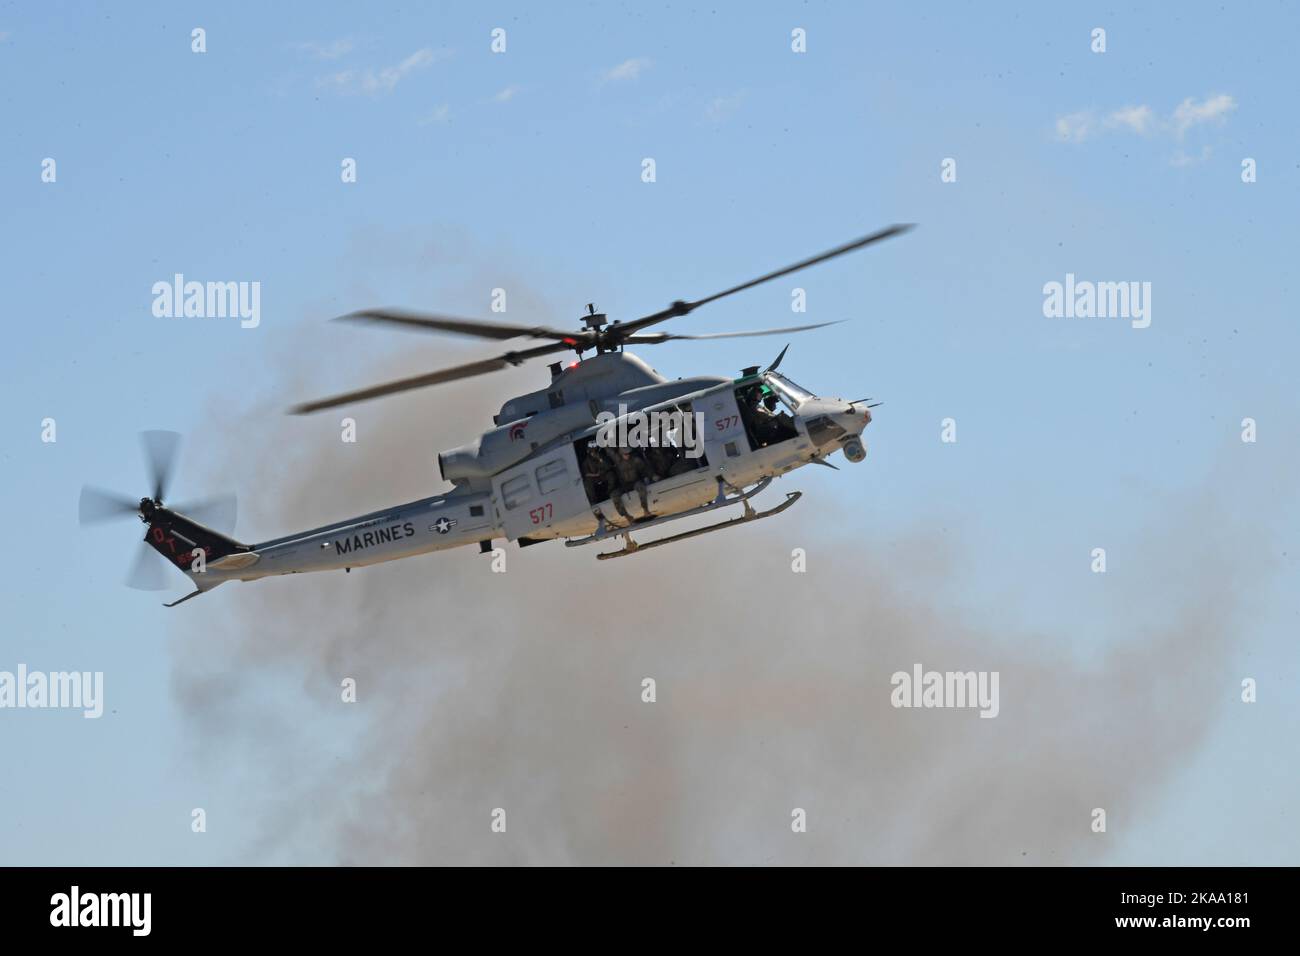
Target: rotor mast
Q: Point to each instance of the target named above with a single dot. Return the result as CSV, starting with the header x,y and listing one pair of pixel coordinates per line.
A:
x,y
595,322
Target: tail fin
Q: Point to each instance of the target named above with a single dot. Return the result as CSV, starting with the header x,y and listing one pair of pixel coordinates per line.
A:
x,y
187,544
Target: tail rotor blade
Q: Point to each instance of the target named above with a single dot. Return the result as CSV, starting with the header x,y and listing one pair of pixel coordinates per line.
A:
x,y
148,568
147,572
216,513
160,457
98,505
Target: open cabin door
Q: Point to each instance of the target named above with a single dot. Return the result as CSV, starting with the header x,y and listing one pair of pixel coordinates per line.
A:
x,y
537,493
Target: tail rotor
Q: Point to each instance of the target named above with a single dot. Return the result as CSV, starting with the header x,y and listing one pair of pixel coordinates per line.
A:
x,y
171,530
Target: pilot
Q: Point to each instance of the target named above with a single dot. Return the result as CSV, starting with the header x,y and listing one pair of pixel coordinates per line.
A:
x,y
762,424
749,397
633,474
774,425
749,402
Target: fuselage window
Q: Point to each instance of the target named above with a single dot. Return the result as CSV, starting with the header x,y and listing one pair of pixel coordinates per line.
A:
x,y
824,431
552,476
516,491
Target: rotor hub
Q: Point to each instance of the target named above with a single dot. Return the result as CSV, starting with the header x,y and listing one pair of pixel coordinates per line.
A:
x,y
594,320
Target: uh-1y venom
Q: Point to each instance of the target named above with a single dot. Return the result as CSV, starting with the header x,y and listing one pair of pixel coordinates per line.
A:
x,y
553,466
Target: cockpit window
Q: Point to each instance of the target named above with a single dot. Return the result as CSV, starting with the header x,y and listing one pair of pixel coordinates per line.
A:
x,y
786,390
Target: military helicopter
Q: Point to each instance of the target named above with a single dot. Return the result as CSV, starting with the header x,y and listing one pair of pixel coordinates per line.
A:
x,y
579,460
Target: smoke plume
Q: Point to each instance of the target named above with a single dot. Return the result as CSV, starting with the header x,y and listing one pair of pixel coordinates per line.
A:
x,y
523,690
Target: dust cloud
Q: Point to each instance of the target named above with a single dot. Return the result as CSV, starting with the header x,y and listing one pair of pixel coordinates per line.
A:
x,y
522,691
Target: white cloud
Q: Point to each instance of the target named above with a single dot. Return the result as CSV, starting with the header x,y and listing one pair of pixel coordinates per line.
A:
x,y
720,107
1181,158
325,51
384,80
628,69
440,115
508,94
1140,119
1190,113
1076,127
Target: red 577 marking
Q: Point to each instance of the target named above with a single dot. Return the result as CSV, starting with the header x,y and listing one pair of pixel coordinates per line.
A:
x,y
542,513
731,421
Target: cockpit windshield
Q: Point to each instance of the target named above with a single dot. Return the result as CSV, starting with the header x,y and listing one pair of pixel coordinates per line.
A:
x,y
786,390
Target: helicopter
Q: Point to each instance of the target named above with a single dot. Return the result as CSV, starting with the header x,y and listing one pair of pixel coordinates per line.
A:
x,y
608,448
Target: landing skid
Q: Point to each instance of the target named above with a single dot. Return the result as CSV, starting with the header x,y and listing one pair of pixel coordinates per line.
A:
x,y
604,533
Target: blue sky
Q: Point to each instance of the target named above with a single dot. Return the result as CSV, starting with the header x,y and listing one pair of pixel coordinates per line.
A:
x,y
522,170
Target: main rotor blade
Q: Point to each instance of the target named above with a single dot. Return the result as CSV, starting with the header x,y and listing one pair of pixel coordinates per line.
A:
x,y
683,308
217,513
147,573
98,505
654,338
432,378
432,322
160,457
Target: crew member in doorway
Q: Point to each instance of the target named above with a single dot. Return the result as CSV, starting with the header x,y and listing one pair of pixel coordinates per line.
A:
x,y
633,475
597,475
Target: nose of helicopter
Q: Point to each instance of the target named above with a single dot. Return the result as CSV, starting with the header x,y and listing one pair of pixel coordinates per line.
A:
x,y
829,422
851,416
854,416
